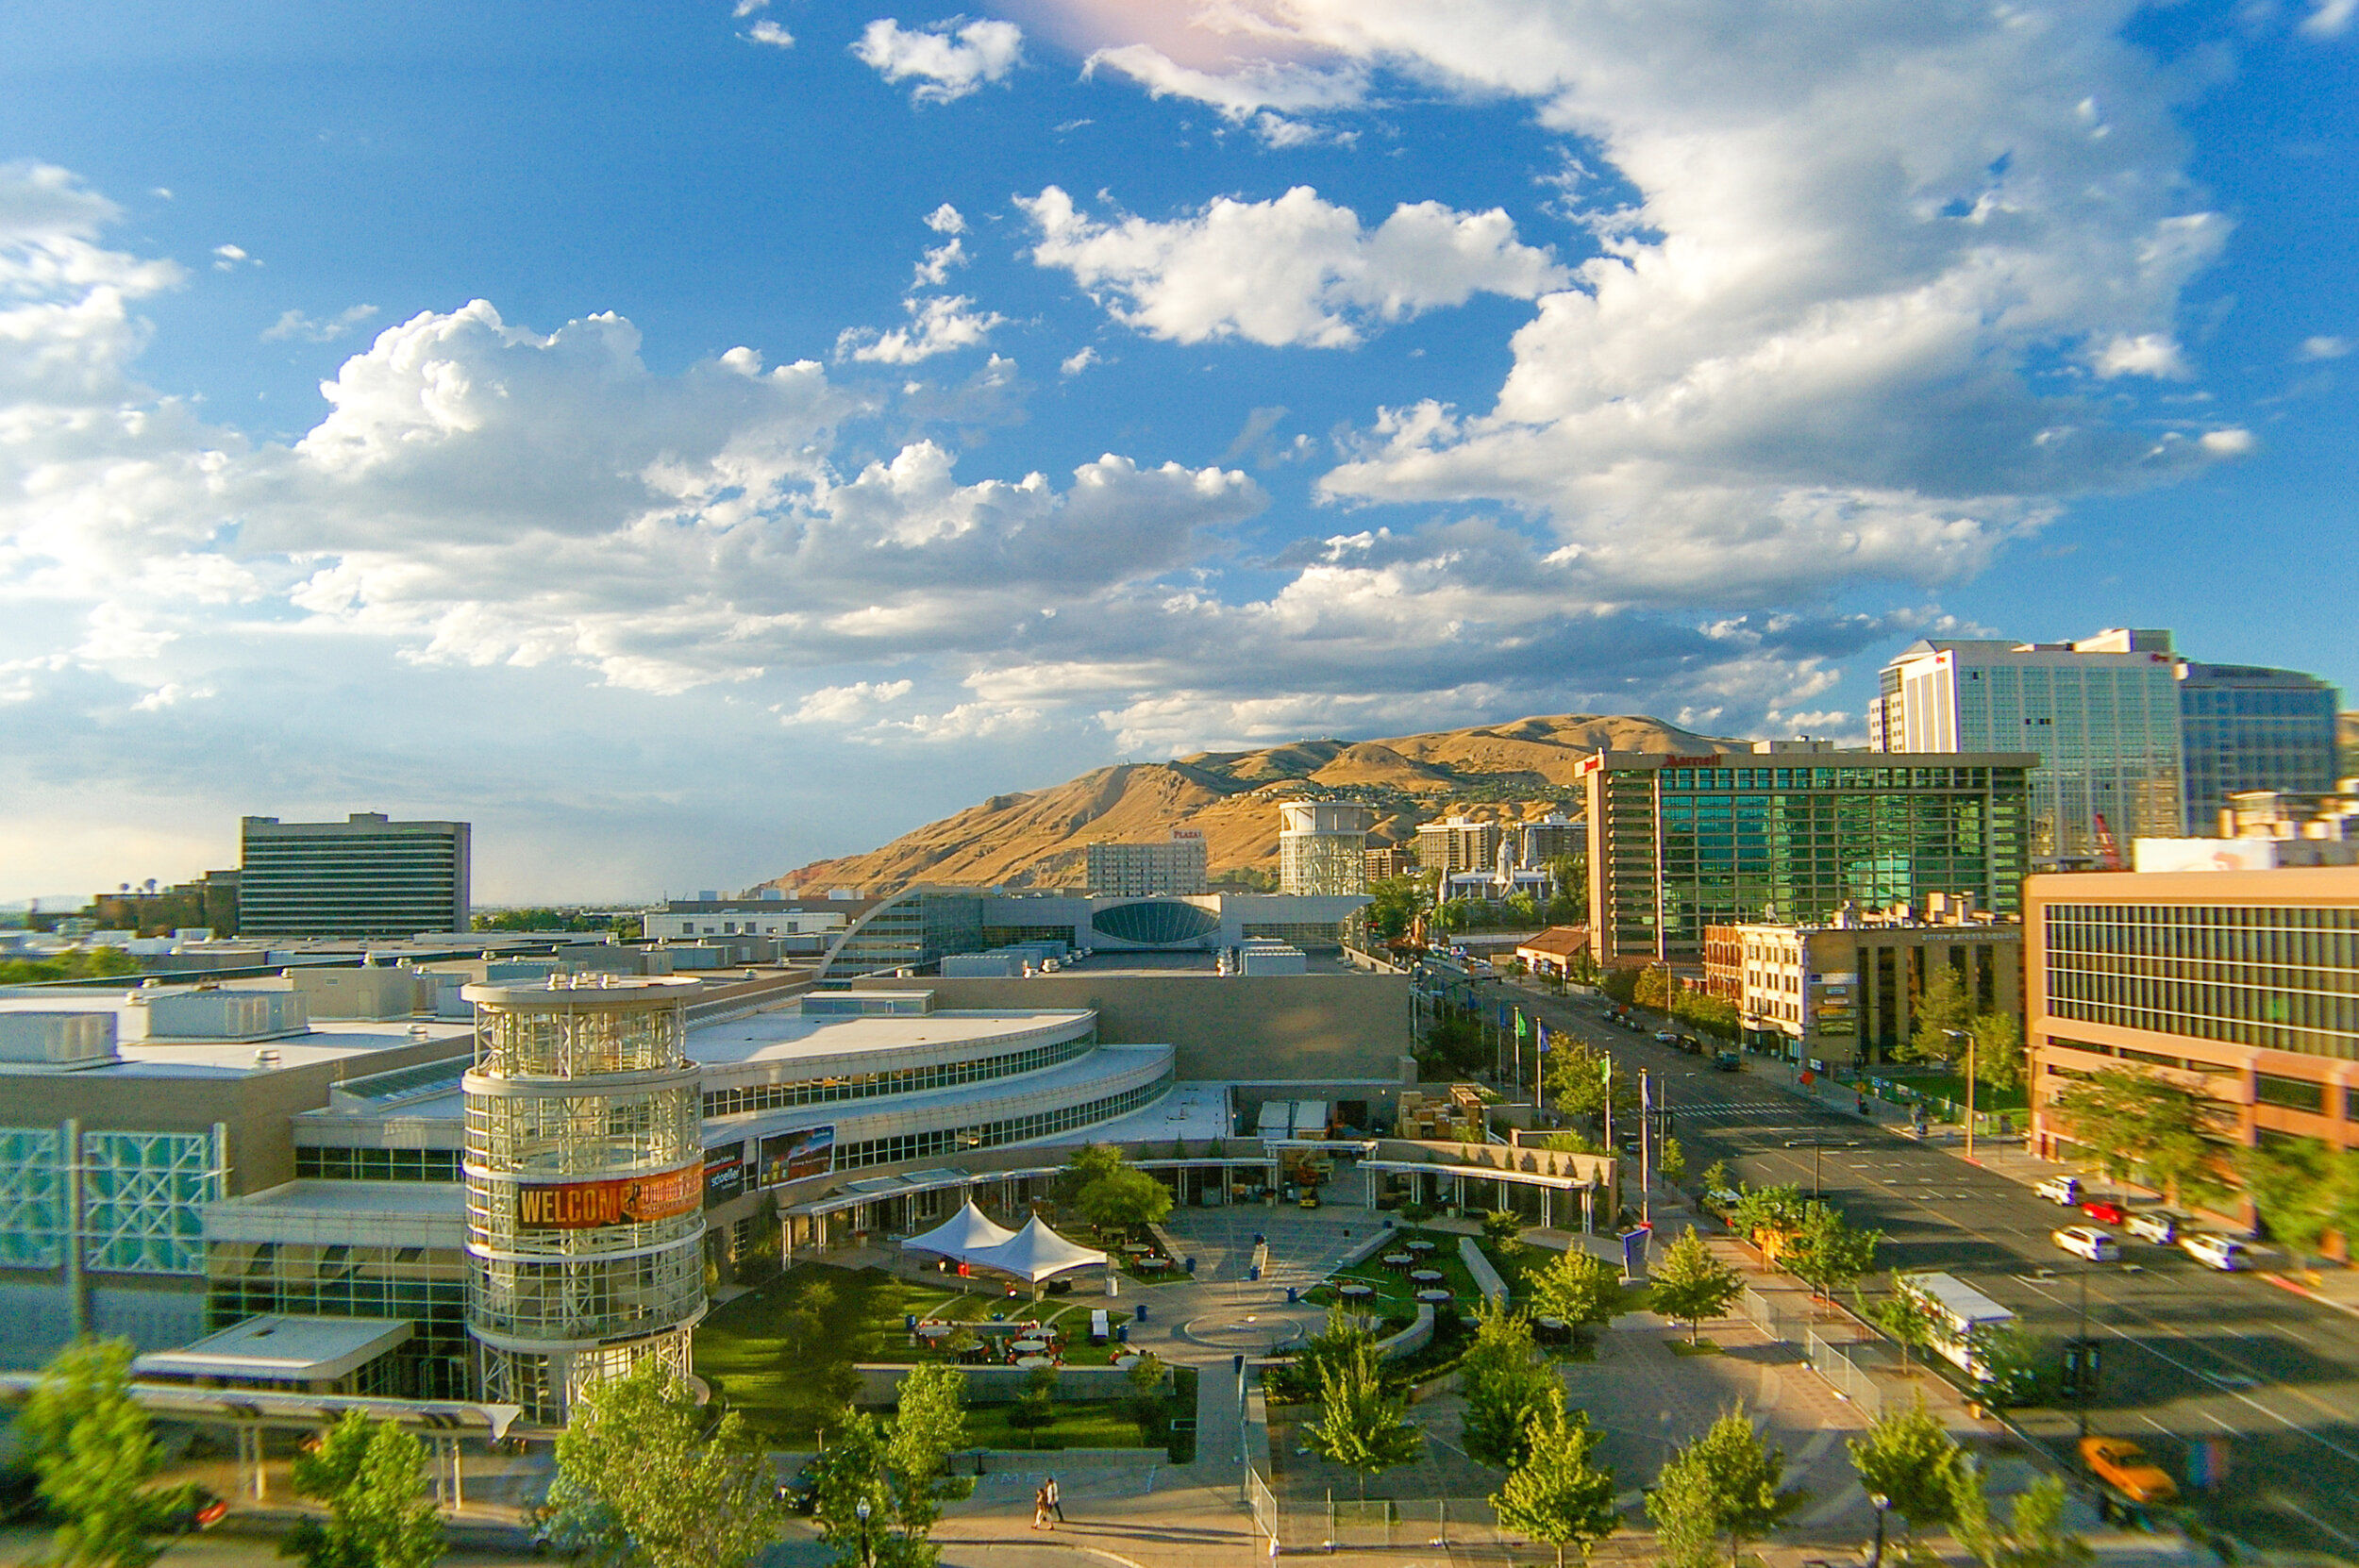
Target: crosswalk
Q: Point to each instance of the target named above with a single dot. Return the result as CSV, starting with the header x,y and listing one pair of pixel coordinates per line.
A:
x,y
1780,1109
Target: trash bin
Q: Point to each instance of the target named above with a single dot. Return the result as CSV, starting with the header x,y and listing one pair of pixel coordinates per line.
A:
x,y
1190,1265
909,1323
1141,1309
1293,1295
1122,1333
1254,1272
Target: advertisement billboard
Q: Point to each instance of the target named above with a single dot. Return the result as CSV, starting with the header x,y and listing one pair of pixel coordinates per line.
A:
x,y
2205,854
792,1156
614,1200
724,1174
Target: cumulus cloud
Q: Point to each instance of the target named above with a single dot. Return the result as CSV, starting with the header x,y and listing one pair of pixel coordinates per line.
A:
x,y
2329,18
939,323
2324,348
769,32
294,324
845,705
230,258
1811,340
1297,270
948,60
1078,360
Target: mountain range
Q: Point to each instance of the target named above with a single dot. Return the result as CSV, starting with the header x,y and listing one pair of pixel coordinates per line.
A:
x,y
1508,771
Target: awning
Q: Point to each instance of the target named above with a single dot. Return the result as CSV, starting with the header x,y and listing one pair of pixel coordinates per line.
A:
x,y
961,1236
1034,1253
1483,1173
275,1349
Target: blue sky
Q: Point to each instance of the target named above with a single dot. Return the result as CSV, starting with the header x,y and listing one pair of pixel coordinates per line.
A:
x,y
688,441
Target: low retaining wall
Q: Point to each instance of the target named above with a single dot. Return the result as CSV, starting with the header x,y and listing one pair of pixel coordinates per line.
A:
x,y
1486,1278
1410,1339
881,1383
1018,1461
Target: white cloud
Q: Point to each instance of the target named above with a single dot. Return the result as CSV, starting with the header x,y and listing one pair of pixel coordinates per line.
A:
x,y
744,9
1078,360
2329,18
2325,348
946,218
1808,348
940,259
949,60
230,258
939,323
294,324
845,705
2154,353
2228,443
769,32
1297,270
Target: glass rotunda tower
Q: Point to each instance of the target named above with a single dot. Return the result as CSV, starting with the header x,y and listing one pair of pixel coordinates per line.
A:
x,y
585,1185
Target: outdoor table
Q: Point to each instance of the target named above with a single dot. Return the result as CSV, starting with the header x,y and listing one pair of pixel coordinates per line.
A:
x,y
1435,1296
1553,1327
1398,1259
1420,1246
1355,1291
1428,1276
933,1330
1028,1347
1124,1363
1031,1363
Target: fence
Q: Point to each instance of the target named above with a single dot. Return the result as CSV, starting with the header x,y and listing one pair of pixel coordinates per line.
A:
x,y
1850,1379
1332,1523
1762,1313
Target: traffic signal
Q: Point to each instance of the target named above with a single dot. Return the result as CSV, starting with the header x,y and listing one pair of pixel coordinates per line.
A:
x,y
2079,1374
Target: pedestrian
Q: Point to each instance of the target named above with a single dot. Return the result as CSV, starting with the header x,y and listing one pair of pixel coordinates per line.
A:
x,y
1056,1499
1040,1509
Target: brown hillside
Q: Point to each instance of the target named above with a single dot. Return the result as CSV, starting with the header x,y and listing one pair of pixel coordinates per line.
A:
x,y
1499,771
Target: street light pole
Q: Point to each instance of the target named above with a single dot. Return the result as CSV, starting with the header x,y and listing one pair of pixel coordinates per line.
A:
x,y
860,1510
1876,1558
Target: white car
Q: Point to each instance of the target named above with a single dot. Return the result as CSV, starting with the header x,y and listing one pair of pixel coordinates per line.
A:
x,y
2060,1189
2224,1252
2088,1241
2158,1226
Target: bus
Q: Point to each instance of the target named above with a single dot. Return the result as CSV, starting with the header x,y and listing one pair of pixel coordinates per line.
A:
x,y
1956,1311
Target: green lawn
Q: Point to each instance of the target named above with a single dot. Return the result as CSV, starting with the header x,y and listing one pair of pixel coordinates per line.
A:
x,y
1395,1296
783,1354
1951,1086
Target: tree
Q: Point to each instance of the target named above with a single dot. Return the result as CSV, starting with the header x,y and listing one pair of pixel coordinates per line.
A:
x,y
1577,1080
2035,1537
1904,1318
1717,1177
644,1482
1583,1291
1554,1493
1392,903
1090,1163
1692,1283
1999,1050
1507,1382
1829,1252
372,1476
927,1427
1908,1456
1671,1163
1723,1487
1777,1211
1362,1425
1501,1231
1125,1199
1944,1014
899,1470
1654,988
2301,1190
1146,1378
1035,1408
2010,1362
93,1451
2136,1123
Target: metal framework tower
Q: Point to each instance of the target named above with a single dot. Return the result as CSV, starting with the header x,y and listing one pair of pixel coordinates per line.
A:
x,y
585,1185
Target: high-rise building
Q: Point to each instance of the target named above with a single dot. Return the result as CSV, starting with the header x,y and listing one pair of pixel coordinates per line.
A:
x,y
1173,867
2101,714
1790,831
1457,844
1553,838
2243,727
2242,984
364,877
1322,846
1381,865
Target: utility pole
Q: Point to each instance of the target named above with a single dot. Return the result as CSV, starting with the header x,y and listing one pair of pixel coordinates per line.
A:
x,y
1646,1166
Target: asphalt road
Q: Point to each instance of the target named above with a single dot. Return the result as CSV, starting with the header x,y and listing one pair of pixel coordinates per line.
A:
x,y
2187,1352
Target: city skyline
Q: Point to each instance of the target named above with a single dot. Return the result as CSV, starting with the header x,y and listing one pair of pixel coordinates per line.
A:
x,y
687,447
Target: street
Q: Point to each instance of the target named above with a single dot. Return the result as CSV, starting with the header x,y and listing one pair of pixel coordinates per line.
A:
x,y
2187,1352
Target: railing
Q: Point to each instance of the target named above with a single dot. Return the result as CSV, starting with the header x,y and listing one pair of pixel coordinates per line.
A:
x,y
1850,1379
1330,1523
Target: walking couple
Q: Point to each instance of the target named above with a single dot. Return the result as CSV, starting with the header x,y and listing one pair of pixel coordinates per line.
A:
x,y
1045,1504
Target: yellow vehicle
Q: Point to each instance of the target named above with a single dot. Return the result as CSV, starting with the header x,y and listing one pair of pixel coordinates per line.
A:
x,y
2123,1465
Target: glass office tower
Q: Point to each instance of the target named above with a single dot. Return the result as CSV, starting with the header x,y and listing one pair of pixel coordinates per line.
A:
x,y
1676,843
2244,726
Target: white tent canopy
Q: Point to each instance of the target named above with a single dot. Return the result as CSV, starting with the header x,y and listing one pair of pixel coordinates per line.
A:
x,y
1034,1253
961,1236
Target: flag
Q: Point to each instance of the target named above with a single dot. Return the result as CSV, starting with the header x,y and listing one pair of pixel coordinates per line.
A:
x,y
1540,1036
1609,1072
1646,1091
1520,1028
1502,1009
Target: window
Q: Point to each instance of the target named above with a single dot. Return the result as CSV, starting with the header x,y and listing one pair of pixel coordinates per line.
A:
x,y
2292,1094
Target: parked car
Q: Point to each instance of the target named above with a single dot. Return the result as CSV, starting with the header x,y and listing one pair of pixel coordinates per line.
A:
x,y
2158,1226
1728,1062
1692,1046
800,1491
2123,1465
195,1510
2060,1189
1720,1202
2105,1211
2087,1242
1666,1036
2224,1252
